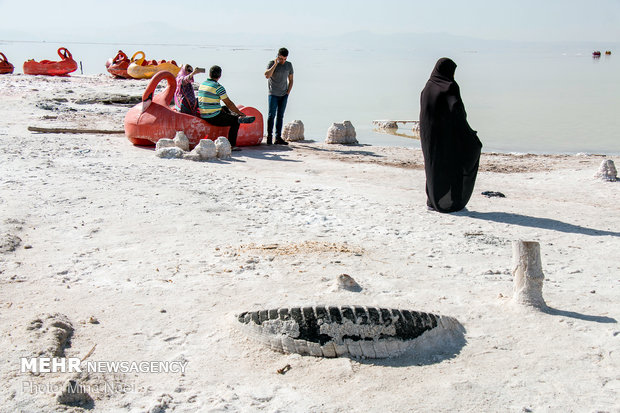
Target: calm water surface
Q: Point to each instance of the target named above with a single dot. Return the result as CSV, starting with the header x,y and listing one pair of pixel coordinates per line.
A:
x,y
551,101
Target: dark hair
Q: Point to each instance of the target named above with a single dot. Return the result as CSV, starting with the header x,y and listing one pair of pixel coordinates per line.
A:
x,y
283,51
215,72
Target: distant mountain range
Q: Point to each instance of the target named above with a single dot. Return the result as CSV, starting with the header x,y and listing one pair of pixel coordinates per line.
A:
x,y
160,33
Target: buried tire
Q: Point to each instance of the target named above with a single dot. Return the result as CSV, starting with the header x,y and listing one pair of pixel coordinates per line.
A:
x,y
343,331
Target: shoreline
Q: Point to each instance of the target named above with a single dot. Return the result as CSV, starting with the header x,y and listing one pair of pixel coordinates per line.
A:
x,y
411,158
133,89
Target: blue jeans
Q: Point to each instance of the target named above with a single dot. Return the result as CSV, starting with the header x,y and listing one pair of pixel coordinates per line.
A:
x,y
277,105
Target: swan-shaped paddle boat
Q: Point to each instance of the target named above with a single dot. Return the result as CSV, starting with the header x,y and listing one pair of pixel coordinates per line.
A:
x,y
118,65
52,68
154,119
5,66
146,69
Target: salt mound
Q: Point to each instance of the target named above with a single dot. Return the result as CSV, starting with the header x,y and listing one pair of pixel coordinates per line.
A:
x,y
164,143
9,242
346,282
341,133
223,148
169,152
53,333
181,141
350,134
527,274
385,124
205,150
293,131
607,171
74,394
336,133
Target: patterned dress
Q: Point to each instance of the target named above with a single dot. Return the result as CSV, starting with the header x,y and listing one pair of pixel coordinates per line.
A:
x,y
184,97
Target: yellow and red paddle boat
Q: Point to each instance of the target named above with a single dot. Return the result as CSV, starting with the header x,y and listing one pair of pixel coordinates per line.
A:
x,y
146,69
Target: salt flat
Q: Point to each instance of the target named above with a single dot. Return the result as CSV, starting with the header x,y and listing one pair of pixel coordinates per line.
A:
x,y
149,259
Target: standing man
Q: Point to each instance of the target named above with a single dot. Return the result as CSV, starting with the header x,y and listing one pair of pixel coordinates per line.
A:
x,y
280,80
209,95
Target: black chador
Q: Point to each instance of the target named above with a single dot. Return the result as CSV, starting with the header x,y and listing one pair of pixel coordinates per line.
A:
x,y
451,148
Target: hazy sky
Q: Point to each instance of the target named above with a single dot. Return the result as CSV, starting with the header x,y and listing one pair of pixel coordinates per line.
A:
x,y
555,20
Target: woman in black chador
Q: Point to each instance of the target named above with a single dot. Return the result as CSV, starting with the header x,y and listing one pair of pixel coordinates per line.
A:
x,y
451,148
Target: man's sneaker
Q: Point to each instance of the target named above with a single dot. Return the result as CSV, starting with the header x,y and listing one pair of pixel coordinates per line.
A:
x,y
246,119
269,140
280,141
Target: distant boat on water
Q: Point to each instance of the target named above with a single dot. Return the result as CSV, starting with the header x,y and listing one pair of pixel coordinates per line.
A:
x,y
608,52
596,53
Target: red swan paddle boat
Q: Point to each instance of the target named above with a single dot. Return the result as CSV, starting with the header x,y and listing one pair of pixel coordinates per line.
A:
x,y
118,65
154,119
46,67
5,66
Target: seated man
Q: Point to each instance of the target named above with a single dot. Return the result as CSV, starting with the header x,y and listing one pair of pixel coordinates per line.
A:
x,y
209,95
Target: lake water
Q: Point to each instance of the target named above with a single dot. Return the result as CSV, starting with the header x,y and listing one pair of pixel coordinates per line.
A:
x,y
540,100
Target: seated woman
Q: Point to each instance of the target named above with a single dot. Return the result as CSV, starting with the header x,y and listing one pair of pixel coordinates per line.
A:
x,y
184,97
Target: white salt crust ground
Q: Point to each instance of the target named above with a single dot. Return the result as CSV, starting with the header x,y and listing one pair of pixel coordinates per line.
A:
x,y
162,253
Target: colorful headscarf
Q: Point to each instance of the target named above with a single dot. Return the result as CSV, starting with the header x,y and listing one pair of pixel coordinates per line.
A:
x,y
184,93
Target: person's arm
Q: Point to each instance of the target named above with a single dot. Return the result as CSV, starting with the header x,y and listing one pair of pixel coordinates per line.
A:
x,y
197,71
233,108
290,84
269,72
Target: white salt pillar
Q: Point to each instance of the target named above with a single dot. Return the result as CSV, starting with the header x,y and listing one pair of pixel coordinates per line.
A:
x,y
527,273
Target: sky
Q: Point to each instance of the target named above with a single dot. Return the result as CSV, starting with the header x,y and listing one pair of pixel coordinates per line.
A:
x,y
513,20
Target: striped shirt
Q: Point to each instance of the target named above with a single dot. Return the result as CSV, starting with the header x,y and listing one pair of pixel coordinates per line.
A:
x,y
209,95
